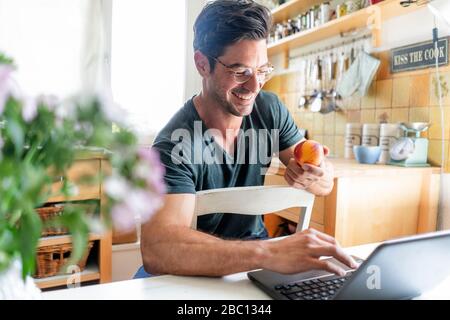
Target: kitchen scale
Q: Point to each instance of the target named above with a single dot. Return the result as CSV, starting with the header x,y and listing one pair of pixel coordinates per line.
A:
x,y
411,150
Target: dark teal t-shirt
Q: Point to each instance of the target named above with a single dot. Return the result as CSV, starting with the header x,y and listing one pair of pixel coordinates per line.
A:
x,y
194,162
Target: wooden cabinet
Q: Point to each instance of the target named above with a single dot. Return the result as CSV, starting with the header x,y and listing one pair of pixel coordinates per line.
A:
x,y
372,203
98,268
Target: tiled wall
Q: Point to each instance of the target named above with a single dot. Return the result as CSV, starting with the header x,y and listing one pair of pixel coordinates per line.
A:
x,y
401,97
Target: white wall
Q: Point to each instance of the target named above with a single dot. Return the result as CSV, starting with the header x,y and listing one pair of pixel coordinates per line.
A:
x,y
193,82
414,27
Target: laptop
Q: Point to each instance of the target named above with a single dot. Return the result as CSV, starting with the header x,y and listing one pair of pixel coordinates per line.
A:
x,y
397,269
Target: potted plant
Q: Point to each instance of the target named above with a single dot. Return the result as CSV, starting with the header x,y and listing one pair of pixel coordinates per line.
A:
x,y
39,140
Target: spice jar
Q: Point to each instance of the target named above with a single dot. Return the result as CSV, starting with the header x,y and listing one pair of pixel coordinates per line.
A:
x,y
352,6
287,29
324,12
317,16
312,18
296,25
307,23
341,10
279,32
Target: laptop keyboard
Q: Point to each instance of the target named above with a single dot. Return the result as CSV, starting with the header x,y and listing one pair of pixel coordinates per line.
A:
x,y
314,289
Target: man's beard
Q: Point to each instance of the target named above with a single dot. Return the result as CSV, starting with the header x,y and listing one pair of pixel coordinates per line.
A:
x,y
228,106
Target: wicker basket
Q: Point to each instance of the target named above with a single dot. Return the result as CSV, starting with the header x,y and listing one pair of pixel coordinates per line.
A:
x,y
48,213
50,259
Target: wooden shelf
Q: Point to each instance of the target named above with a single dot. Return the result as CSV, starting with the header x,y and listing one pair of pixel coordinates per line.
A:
x,y
89,164
83,197
90,273
377,13
53,240
292,8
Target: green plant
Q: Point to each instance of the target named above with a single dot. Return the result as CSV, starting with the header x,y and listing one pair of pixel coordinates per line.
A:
x,y
39,140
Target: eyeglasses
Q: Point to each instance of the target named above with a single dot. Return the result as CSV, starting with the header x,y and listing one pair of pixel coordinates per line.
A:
x,y
243,74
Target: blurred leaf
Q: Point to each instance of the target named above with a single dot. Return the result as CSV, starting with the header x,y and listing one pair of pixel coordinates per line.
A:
x,y
17,135
29,233
5,59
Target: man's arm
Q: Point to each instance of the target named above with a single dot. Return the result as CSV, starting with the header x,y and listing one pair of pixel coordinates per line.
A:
x,y
317,180
169,245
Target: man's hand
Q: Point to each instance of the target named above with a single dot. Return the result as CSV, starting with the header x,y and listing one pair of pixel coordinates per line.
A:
x,y
301,252
317,180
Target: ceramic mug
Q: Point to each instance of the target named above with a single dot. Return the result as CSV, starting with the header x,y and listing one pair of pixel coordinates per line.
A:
x,y
352,138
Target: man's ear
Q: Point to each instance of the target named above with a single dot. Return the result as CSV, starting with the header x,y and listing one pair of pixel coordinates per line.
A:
x,y
202,63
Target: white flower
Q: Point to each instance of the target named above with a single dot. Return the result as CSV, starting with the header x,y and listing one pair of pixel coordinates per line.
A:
x,y
13,288
29,109
123,218
116,187
65,110
111,109
48,100
96,226
5,72
154,173
143,203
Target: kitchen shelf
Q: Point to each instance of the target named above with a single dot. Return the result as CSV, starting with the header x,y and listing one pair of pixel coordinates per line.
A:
x,y
374,14
292,8
90,273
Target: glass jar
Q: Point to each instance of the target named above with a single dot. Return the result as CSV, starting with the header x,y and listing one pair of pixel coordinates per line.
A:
x,y
296,25
352,6
341,10
312,18
307,23
324,12
317,16
288,30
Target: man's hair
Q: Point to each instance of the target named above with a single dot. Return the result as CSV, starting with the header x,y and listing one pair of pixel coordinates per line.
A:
x,y
225,22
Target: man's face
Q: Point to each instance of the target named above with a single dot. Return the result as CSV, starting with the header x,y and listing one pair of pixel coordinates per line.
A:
x,y
238,98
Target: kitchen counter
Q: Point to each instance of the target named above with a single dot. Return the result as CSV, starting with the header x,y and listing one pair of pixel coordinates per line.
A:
x,y
351,168
370,203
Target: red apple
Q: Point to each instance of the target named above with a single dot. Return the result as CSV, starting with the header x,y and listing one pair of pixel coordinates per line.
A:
x,y
310,152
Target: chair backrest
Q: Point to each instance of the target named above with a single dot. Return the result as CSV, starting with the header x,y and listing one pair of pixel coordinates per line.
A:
x,y
254,201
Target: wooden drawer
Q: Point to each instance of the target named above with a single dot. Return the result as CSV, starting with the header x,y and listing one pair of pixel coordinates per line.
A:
x,y
79,171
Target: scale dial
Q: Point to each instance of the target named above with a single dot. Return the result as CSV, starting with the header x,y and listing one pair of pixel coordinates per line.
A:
x,y
401,149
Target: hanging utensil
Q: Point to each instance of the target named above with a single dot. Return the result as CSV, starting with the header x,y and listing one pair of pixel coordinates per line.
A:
x,y
317,97
308,80
302,83
329,104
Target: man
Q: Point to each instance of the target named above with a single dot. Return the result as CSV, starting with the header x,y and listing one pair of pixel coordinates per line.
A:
x,y
231,57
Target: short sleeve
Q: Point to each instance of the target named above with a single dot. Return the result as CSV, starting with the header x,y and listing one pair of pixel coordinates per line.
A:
x,y
289,133
179,176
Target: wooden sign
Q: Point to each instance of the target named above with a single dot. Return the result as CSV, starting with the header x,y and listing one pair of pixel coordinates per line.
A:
x,y
419,56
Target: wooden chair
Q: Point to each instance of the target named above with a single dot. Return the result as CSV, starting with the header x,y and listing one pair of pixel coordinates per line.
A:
x,y
254,201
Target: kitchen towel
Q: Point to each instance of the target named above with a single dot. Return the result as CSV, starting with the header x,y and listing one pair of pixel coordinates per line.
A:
x,y
359,76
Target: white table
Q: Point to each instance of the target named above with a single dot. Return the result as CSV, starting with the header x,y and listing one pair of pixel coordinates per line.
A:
x,y
235,286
